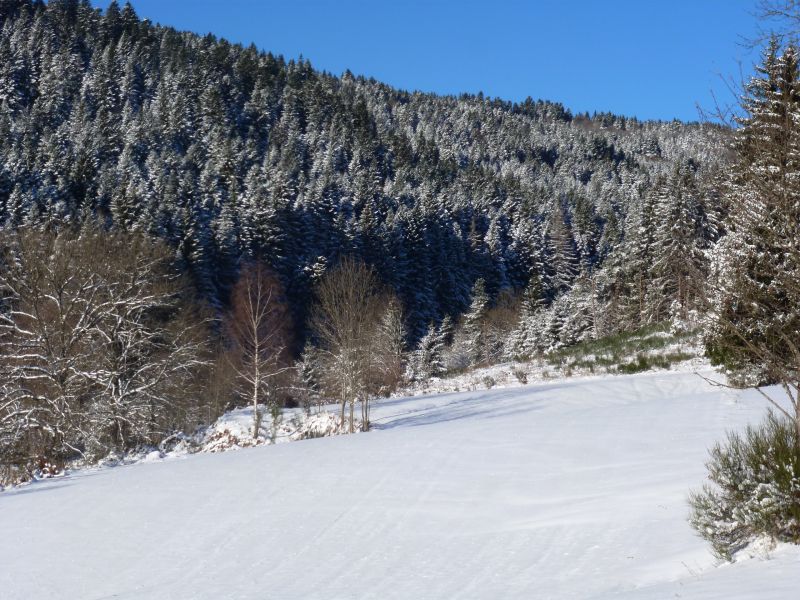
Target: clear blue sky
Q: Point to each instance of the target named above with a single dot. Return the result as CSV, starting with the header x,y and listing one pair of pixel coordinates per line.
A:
x,y
647,58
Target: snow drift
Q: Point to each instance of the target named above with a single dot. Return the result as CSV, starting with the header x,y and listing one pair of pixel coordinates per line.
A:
x,y
571,489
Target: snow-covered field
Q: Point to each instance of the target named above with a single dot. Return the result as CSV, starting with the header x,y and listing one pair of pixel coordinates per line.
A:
x,y
564,489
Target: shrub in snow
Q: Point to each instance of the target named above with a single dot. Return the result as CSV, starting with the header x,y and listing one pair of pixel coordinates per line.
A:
x,y
224,440
756,491
233,430
489,382
322,424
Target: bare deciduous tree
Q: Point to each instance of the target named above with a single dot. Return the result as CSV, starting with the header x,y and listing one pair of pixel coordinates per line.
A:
x,y
359,328
52,306
499,323
778,19
258,330
149,344
96,352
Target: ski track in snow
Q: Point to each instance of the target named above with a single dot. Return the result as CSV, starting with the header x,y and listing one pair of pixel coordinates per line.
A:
x,y
570,489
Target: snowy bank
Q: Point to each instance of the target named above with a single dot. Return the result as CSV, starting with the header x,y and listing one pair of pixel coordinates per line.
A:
x,y
570,489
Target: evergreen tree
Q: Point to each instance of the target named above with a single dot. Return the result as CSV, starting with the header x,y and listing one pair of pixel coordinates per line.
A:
x,y
679,268
754,321
637,259
428,359
469,338
231,154
562,256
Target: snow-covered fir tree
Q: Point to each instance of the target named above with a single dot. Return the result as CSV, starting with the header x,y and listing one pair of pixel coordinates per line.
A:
x,y
230,155
754,319
529,226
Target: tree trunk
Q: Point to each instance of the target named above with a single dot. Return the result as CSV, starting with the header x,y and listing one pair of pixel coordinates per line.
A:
x,y
344,404
256,412
365,414
797,416
797,431
352,417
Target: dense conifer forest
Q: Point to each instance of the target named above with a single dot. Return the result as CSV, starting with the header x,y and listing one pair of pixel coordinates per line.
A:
x,y
230,154
486,229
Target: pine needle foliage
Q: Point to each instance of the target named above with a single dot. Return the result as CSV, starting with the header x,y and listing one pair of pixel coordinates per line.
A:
x,y
755,491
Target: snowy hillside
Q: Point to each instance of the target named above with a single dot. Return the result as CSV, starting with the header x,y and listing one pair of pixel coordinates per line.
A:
x,y
570,489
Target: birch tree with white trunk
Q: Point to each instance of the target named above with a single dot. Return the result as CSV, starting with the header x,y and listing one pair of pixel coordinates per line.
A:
x,y
258,329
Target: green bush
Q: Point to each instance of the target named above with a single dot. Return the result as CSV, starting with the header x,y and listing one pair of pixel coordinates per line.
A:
x,y
640,364
755,491
625,352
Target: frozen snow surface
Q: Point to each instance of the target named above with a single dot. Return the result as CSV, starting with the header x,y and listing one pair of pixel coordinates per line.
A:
x,y
564,489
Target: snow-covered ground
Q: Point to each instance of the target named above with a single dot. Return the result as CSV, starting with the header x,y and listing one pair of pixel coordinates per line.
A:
x,y
573,363
563,489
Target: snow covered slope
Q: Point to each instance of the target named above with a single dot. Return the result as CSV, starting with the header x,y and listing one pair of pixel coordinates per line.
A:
x,y
572,489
